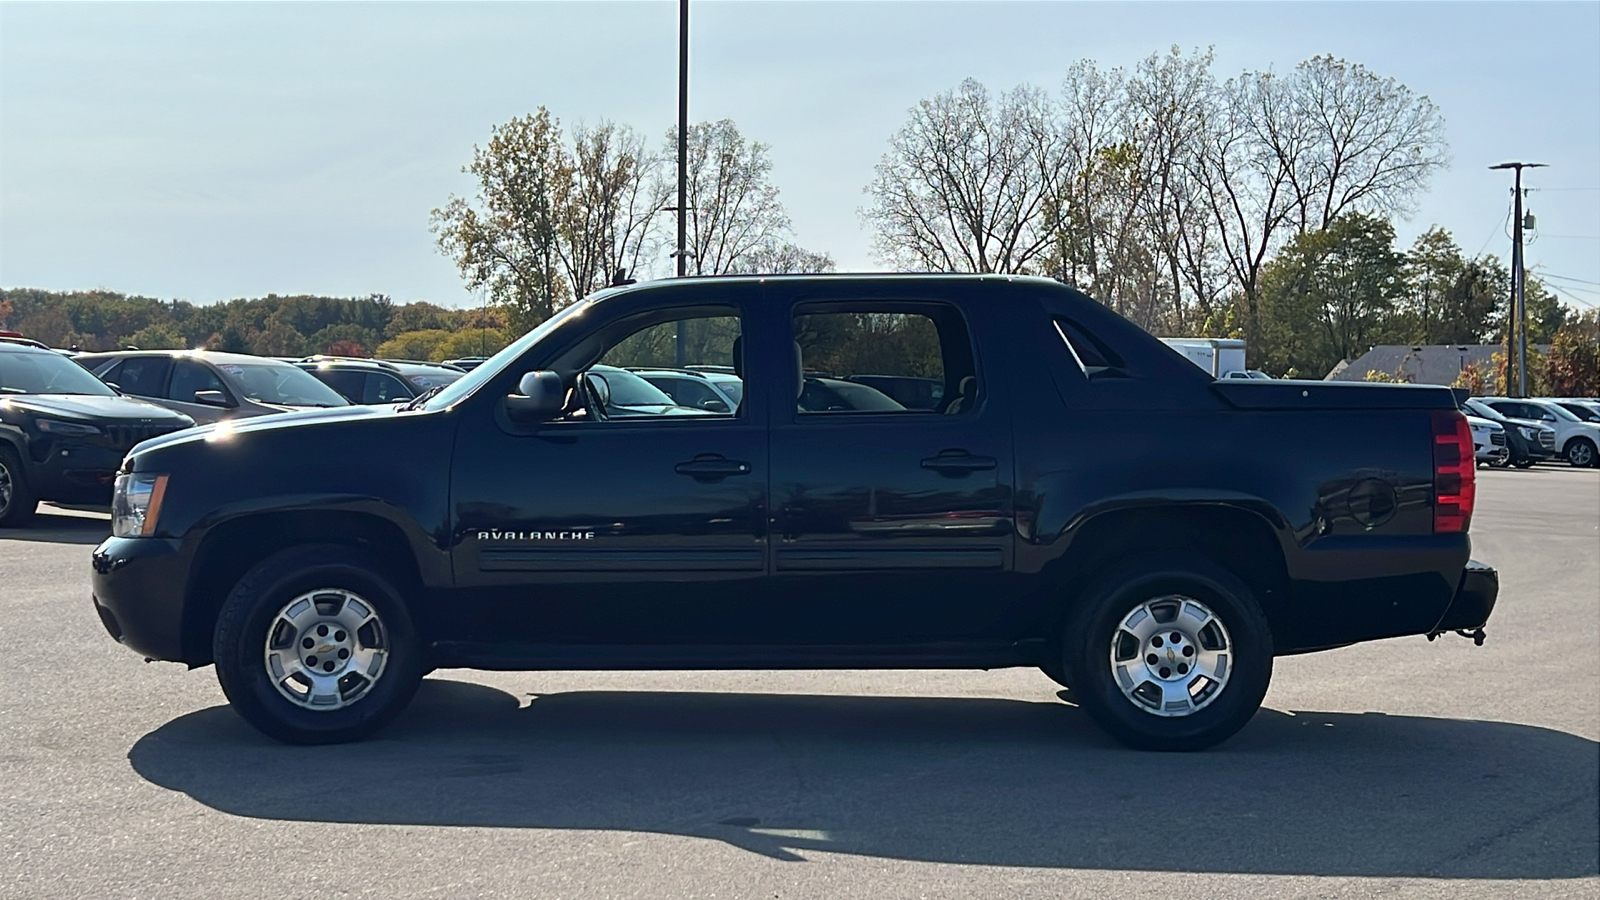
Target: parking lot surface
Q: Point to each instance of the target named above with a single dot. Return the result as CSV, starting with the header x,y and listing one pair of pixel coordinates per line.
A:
x,y
1401,768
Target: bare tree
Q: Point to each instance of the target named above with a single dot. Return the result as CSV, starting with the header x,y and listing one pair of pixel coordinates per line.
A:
x,y
962,188
1373,143
733,204
606,207
778,257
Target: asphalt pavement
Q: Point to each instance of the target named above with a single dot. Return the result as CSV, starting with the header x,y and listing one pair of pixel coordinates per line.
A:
x,y
1401,768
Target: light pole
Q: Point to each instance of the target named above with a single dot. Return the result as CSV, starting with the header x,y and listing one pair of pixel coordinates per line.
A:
x,y
1519,313
683,134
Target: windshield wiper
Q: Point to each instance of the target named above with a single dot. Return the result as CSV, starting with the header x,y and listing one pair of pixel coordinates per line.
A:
x,y
422,398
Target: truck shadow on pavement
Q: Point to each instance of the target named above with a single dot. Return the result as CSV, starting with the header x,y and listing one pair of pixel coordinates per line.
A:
x,y
953,780
54,528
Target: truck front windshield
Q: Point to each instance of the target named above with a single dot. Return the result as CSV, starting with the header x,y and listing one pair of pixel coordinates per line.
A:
x,y
468,384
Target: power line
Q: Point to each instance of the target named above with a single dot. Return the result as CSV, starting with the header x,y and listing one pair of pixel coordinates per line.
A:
x,y
1498,228
1587,304
1566,278
1564,189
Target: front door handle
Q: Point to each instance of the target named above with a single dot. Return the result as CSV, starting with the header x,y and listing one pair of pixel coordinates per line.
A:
x,y
710,467
958,463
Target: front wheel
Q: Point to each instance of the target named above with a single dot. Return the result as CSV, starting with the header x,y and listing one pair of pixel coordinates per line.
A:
x,y
17,502
1524,463
313,646
1581,453
1169,653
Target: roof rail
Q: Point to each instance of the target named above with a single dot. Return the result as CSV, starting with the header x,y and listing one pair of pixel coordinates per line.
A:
x,y
324,357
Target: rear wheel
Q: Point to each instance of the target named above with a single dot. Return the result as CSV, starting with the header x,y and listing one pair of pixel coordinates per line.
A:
x,y
313,646
1581,453
17,501
1169,653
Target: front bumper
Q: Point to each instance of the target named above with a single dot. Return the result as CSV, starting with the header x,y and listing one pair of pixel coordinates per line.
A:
x,y
138,588
74,472
1474,600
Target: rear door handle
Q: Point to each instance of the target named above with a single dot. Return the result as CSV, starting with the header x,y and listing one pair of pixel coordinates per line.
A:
x,y
709,467
958,463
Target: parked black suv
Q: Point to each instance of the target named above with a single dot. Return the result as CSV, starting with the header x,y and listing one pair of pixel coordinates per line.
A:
x,y
377,381
63,432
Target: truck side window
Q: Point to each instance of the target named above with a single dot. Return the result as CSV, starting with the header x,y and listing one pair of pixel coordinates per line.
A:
x,y
864,358
625,383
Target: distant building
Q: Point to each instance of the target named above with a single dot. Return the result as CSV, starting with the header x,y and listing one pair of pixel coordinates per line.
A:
x,y
1432,364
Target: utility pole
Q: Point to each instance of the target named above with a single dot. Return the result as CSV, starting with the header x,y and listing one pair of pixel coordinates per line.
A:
x,y
683,160
1519,312
683,134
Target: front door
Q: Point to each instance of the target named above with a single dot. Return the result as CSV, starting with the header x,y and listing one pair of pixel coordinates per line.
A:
x,y
628,520
893,520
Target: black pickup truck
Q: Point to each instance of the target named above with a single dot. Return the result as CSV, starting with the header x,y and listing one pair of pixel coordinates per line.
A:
x,y
1078,498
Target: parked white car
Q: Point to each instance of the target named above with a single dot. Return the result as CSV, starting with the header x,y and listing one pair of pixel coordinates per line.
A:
x,y
1577,441
1489,441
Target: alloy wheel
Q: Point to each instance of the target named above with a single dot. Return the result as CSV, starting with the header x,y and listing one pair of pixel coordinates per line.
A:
x,y
1170,656
326,649
6,487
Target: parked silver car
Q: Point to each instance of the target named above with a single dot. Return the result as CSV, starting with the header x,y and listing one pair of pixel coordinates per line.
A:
x,y
210,386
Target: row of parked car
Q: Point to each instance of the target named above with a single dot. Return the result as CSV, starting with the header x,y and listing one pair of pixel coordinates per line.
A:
x,y
1517,432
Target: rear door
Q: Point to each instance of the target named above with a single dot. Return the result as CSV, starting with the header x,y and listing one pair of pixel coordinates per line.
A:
x,y
893,523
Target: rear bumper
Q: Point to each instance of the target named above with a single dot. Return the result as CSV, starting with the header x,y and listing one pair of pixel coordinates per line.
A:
x,y
1474,600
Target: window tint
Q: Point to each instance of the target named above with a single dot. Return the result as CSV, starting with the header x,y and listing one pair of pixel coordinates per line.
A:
x,y
283,384
351,384
42,372
145,376
870,358
384,388
190,378
612,391
697,341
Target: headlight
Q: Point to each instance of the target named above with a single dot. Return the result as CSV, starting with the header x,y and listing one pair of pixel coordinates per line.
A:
x,y
1526,431
66,429
136,504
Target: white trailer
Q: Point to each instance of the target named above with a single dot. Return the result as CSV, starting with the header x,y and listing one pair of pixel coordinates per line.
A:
x,y
1218,356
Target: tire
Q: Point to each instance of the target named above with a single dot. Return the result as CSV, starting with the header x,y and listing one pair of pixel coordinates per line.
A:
x,y
17,500
356,618
1581,453
1524,463
1503,462
1214,614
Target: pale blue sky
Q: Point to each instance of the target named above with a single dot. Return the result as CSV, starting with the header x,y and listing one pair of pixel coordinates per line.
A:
x,y
214,150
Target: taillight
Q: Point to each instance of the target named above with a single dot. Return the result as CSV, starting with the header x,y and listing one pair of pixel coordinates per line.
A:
x,y
1455,472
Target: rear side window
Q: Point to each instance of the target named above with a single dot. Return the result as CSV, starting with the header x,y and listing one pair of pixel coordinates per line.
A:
x,y
384,388
349,383
1092,355
861,357
144,376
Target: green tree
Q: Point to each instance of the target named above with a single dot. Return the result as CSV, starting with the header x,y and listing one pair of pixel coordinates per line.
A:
x,y
413,344
161,336
1329,294
506,243
470,342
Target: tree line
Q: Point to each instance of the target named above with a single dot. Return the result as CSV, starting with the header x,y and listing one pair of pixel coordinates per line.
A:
x,y
265,326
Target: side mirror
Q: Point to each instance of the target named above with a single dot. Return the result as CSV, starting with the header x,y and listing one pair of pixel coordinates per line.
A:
x,y
540,397
714,405
211,398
